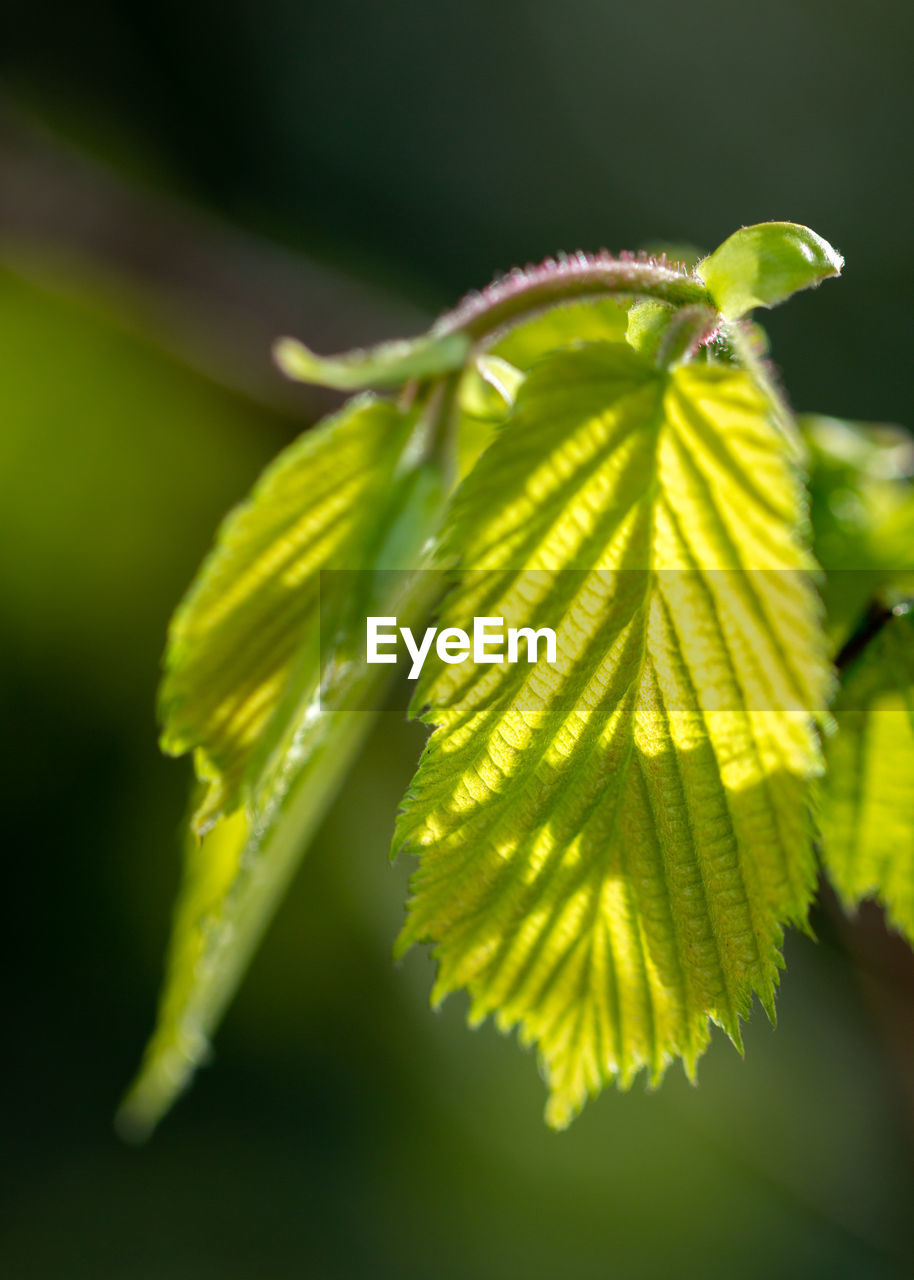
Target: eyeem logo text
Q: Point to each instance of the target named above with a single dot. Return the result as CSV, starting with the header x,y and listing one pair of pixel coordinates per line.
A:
x,y
489,643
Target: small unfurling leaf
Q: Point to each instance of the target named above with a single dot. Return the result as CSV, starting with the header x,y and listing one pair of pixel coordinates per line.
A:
x,y
389,364
763,265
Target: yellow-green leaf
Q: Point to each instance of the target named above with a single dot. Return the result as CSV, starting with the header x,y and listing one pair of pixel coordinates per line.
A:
x,y
610,846
521,347
233,880
389,364
868,794
271,635
252,611
762,265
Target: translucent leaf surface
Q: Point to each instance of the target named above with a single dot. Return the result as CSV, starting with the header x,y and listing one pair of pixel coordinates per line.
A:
x,y
763,265
253,610
868,795
389,364
601,320
271,635
233,880
610,846
604,320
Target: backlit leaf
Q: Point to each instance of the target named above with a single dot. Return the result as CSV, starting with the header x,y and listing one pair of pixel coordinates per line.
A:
x,y
523,346
389,364
233,880
610,846
253,610
268,634
868,794
762,265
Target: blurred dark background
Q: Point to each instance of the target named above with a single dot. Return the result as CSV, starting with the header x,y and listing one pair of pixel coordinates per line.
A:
x,y
178,184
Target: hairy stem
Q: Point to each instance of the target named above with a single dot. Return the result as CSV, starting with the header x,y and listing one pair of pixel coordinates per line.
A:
x,y
526,291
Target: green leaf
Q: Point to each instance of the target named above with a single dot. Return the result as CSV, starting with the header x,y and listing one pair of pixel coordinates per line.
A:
x,y
765,264
253,608
521,347
868,794
233,880
567,325
267,681
489,387
862,513
647,323
609,847
389,364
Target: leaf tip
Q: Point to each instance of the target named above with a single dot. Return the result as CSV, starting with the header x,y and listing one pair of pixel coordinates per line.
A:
x,y
390,364
559,1112
766,999
132,1124
403,942
295,360
165,1074
730,1025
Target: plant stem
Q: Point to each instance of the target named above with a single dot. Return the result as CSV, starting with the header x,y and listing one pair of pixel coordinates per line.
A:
x,y
739,338
525,291
878,613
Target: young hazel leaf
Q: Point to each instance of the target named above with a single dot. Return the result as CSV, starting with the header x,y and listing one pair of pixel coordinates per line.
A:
x,y
233,880
763,265
253,608
610,846
389,364
868,793
266,680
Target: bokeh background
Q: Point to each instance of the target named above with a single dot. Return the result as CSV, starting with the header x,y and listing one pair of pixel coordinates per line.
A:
x,y
180,182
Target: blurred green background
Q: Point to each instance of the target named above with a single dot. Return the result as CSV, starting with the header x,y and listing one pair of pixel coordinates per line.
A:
x,y
178,184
